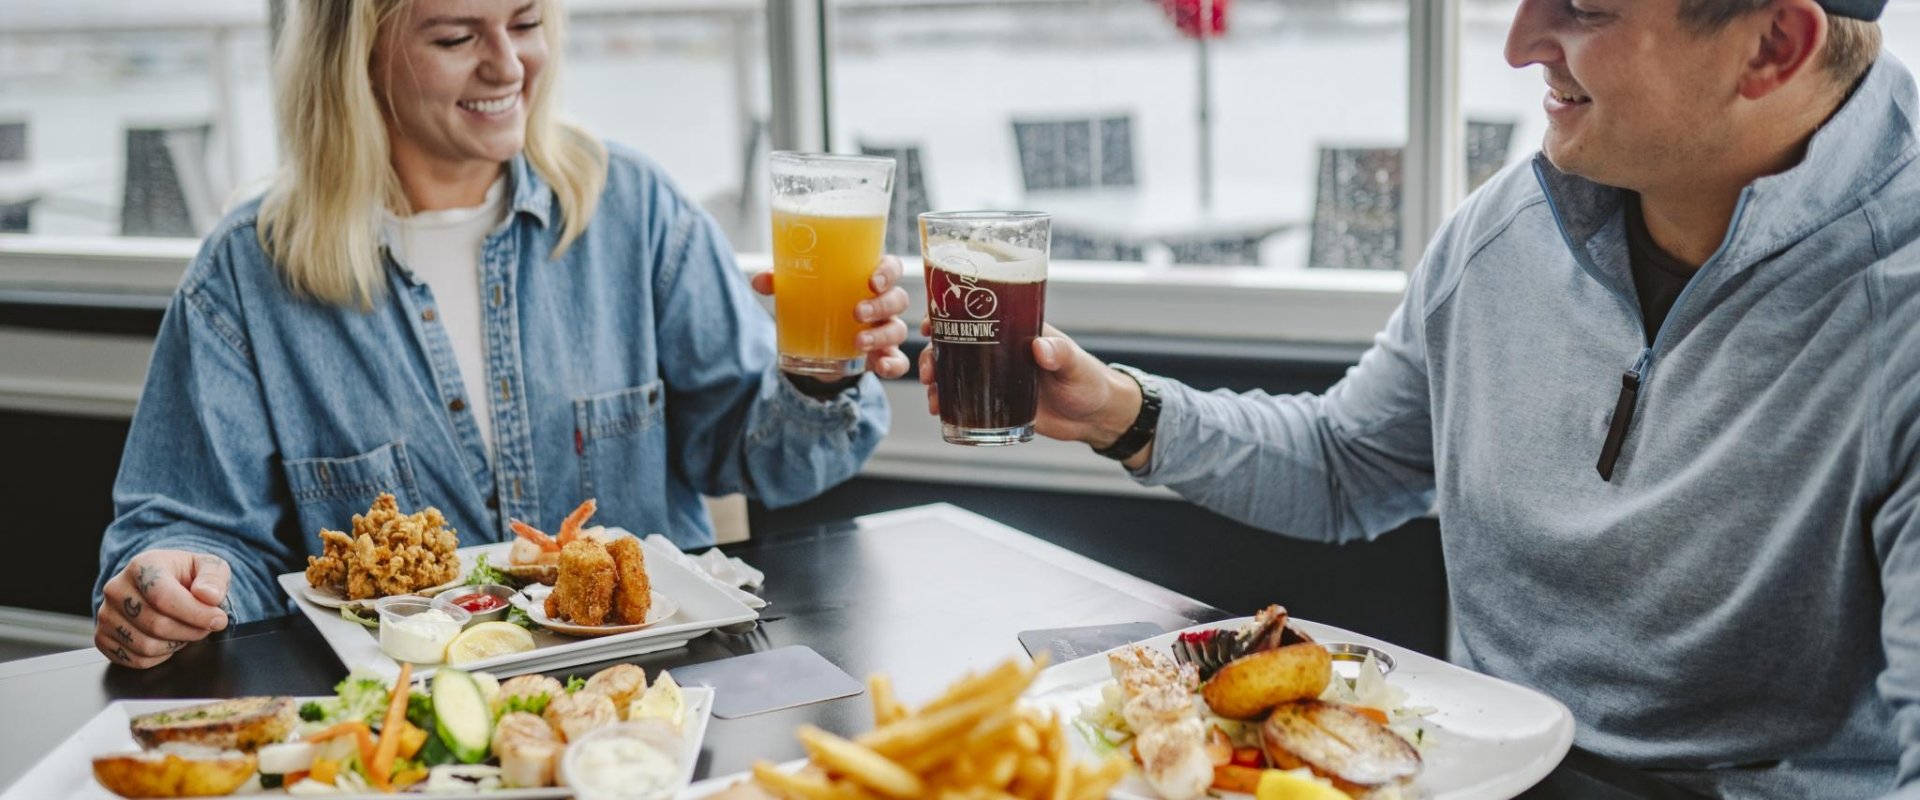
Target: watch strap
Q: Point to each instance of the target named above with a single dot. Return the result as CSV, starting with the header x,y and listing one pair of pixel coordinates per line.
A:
x,y
1144,424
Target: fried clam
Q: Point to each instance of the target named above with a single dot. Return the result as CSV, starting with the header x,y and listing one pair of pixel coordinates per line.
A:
x,y
1338,743
1246,687
621,683
573,715
528,749
387,553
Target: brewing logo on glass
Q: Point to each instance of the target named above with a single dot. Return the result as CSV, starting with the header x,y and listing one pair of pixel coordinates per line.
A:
x,y
978,303
801,239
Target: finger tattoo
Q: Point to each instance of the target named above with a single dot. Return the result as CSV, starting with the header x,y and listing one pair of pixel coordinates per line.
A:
x,y
145,578
131,606
120,654
124,634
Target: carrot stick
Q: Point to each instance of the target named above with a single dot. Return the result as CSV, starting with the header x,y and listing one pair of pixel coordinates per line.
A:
x,y
1372,713
363,741
340,729
381,767
570,527
532,534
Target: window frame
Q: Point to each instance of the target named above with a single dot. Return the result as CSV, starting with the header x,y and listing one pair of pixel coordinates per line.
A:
x,y
1156,301
1185,309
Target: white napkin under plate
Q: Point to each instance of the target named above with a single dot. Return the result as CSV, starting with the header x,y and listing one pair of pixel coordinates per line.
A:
x,y
730,574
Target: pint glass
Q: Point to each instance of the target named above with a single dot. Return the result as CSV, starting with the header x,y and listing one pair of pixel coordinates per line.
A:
x,y
829,226
986,299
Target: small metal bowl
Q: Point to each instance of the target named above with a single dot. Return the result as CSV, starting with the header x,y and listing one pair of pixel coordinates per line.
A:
x,y
503,593
1349,656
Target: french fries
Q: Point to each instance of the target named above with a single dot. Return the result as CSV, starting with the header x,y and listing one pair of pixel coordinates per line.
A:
x,y
973,742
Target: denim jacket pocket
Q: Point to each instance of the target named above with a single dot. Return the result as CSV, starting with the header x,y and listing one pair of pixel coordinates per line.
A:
x,y
622,445
329,491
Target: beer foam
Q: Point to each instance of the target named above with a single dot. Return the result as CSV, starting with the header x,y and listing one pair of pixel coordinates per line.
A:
x,y
993,261
836,203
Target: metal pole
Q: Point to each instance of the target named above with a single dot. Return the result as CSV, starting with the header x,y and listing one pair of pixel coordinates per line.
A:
x,y
1205,30
796,74
1432,174
223,105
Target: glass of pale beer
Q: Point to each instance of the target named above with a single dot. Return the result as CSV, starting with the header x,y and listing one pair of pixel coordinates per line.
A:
x,y
986,300
829,229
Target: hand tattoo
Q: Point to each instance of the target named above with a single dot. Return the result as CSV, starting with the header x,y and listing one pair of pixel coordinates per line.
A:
x,y
145,578
120,654
124,634
131,606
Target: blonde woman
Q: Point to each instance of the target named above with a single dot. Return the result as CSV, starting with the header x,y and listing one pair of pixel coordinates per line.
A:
x,y
451,296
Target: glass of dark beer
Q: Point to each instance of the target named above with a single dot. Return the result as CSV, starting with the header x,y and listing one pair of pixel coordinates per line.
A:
x,y
986,299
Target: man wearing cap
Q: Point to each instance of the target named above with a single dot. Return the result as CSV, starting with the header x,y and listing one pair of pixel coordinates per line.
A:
x,y
1662,387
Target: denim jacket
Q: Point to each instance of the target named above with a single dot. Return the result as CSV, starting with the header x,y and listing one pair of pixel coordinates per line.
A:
x,y
637,369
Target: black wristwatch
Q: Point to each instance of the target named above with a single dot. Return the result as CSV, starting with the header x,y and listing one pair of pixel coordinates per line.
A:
x,y
1141,432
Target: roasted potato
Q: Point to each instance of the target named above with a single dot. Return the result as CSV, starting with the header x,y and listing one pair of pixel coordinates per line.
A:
x,y
1246,687
169,775
1337,742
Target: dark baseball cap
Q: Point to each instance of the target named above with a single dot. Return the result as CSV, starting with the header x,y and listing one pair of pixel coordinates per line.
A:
x,y
1868,10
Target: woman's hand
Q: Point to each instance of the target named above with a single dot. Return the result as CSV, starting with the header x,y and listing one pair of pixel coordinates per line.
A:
x,y
163,601
885,330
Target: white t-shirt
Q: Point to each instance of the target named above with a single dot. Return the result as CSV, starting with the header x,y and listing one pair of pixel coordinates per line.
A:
x,y
443,250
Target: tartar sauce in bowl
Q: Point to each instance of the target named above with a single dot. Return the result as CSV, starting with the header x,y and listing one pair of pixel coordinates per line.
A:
x,y
628,761
418,629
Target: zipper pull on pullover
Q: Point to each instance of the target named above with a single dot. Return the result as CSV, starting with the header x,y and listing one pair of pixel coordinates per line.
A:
x,y
1622,414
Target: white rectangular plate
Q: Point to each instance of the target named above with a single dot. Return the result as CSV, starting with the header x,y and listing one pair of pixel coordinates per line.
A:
x,y
67,772
703,607
1487,739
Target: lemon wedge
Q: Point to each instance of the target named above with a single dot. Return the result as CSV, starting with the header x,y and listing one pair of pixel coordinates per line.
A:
x,y
661,701
486,640
1295,784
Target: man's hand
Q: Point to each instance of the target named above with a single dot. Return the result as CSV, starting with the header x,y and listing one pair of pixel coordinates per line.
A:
x,y
162,601
885,330
1081,398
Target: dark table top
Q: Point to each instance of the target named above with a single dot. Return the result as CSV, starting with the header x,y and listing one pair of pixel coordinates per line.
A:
x,y
922,594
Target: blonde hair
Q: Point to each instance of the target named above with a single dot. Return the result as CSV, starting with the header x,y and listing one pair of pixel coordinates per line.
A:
x,y
319,222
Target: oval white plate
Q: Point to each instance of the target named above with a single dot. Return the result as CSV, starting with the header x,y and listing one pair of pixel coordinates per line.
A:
x,y
534,601
328,598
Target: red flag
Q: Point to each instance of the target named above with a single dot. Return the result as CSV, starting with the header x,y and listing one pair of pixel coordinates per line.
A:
x,y
1186,16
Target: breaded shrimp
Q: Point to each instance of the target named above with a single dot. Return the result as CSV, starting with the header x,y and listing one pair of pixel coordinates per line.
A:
x,y
633,594
584,593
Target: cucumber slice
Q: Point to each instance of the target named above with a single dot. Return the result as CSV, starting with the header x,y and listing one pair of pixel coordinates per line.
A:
x,y
460,715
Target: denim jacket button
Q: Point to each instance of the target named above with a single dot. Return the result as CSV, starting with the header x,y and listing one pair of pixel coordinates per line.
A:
x,y
493,502
427,315
457,405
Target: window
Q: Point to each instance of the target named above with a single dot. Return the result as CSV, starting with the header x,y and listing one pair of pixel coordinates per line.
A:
x,y
686,85
1150,144
150,123
118,119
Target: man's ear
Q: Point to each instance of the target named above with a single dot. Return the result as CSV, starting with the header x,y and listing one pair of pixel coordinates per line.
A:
x,y
1791,36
